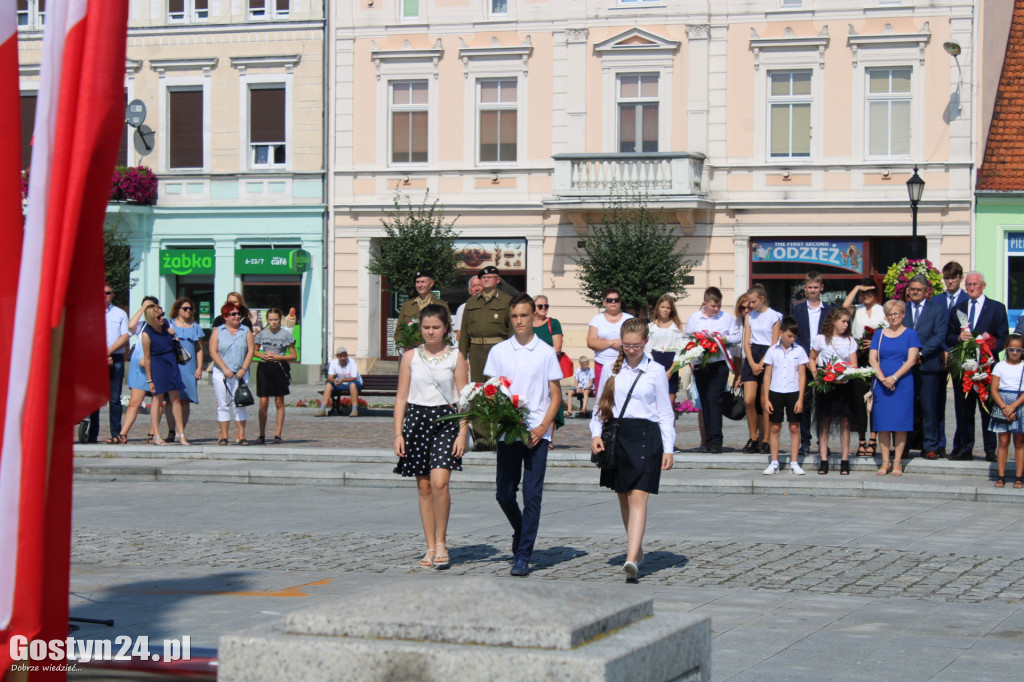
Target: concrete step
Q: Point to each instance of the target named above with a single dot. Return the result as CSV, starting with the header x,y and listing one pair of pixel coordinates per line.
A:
x,y
568,472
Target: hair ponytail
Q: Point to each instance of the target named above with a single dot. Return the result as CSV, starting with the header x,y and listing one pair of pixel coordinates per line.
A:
x,y
607,401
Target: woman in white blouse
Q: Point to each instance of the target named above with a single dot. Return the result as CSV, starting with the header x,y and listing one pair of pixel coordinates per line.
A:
x,y
635,391
760,332
666,339
867,316
603,332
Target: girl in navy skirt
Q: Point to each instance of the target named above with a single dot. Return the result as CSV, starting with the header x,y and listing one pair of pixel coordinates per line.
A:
x,y
646,436
836,408
760,332
430,378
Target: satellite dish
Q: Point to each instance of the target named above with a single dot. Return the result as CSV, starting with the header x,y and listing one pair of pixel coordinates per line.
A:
x,y
144,138
135,113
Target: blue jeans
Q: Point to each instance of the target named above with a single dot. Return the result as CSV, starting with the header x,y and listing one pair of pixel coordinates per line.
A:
x,y
116,372
515,460
343,387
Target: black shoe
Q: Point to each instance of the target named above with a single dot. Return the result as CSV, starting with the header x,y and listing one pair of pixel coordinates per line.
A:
x,y
990,456
715,449
751,447
962,456
766,448
520,569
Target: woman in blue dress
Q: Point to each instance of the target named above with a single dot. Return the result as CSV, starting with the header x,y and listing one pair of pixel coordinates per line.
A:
x,y
162,372
137,382
190,334
893,354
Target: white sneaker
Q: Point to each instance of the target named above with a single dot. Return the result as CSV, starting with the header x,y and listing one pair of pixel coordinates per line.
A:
x,y
795,468
773,468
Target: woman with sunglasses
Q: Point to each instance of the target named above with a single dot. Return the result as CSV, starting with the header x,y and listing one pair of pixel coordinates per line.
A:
x,y
138,384
190,334
231,349
549,330
162,373
603,332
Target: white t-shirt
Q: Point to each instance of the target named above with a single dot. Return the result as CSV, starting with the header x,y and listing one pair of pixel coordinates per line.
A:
x,y
347,373
785,367
529,368
839,348
761,326
457,318
1009,376
608,331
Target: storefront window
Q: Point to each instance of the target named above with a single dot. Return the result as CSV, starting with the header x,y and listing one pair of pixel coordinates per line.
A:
x,y
1014,276
263,292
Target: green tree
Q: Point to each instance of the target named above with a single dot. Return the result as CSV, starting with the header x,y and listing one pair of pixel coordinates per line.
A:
x,y
118,261
417,238
630,248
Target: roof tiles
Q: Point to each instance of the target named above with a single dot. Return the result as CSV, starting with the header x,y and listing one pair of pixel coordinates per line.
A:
x,y
1003,166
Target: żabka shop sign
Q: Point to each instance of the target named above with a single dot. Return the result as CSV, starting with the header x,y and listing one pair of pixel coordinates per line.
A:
x,y
187,262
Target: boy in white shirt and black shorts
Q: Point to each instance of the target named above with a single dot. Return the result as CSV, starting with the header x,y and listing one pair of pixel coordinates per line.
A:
x,y
782,396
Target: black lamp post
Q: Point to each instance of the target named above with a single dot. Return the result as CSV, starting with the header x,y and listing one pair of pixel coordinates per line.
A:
x,y
915,188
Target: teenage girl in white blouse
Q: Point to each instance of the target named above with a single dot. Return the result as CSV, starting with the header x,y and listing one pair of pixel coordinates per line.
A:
x,y
760,331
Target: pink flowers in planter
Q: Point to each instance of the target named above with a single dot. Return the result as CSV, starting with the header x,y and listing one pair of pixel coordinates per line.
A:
x,y
134,185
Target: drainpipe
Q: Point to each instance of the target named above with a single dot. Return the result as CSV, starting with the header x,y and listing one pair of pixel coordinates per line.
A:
x,y
328,158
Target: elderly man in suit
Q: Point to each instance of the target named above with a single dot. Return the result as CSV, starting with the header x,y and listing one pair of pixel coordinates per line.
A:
x,y
929,318
983,315
809,314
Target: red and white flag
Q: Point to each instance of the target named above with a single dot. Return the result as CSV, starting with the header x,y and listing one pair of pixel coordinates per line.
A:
x,y
57,368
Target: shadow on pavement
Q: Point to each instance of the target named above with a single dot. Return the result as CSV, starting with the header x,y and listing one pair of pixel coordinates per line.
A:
x,y
552,556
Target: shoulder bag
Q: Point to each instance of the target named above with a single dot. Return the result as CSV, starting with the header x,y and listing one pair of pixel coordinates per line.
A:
x,y
181,353
869,397
610,434
995,413
564,361
243,396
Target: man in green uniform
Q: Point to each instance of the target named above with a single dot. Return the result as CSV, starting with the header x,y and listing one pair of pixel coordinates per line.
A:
x,y
410,311
485,323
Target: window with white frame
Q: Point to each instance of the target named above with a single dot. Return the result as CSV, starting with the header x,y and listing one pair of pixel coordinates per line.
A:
x,y
268,9
267,126
638,113
641,2
409,121
188,11
888,103
791,4
185,138
789,114
409,9
499,8
31,14
497,101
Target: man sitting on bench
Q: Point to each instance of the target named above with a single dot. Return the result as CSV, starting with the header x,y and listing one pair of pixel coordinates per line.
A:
x,y
342,377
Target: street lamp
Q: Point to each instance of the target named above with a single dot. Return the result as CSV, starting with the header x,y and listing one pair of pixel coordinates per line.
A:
x,y
915,188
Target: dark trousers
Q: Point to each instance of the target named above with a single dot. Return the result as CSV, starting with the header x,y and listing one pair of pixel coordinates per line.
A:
x,y
710,387
515,460
964,407
805,415
116,371
933,409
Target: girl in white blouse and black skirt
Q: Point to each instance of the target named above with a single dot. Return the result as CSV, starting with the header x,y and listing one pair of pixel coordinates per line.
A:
x,y
646,436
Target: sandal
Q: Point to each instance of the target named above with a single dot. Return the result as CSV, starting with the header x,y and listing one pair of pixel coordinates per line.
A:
x,y
861,448
242,442
1000,481
149,439
277,440
896,469
869,451
844,468
222,441
119,439
823,467
884,469
261,440
1019,482
428,559
441,560
157,440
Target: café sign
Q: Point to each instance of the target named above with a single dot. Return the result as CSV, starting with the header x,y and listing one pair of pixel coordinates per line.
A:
x,y
272,261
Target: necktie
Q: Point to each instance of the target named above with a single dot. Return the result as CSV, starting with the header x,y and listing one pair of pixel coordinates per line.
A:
x,y
949,303
917,311
974,304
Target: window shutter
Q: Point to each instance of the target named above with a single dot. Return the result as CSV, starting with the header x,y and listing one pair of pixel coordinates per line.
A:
x,y
186,115
266,115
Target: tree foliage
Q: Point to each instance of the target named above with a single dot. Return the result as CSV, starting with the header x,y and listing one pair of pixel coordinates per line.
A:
x,y
417,238
118,262
630,248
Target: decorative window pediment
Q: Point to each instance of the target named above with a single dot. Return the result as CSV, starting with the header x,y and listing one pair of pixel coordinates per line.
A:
x,y
888,39
636,40
496,51
407,53
285,61
789,42
204,64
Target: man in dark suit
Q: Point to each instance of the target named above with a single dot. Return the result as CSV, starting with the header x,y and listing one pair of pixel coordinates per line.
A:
x,y
982,315
929,318
809,314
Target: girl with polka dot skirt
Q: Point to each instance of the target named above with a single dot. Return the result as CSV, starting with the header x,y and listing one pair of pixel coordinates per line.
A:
x,y
430,378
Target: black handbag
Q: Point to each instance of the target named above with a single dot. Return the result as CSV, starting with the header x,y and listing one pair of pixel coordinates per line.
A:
x,y
243,396
733,406
610,434
181,353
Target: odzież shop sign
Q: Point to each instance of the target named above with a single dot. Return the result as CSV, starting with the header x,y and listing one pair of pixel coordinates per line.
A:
x,y
187,262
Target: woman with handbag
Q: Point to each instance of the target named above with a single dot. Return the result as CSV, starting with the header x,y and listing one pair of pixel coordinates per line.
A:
x,y
549,330
138,384
635,416
231,349
162,373
430,379
893,355
1006,418
190,336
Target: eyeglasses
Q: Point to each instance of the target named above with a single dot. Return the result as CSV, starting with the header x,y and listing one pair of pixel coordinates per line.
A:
x,y
542,306
894,315
915,291
235,314
953,278
632,346
1015,350
613,300
185,307
160,316
971,285
108,293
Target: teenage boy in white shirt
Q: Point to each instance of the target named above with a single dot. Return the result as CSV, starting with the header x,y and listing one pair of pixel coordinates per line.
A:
x,y
532,368
712,379
782,396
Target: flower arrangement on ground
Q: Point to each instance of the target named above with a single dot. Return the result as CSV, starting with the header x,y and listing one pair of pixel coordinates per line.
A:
x,y
409,336
702,348
898,277
834,373
496,407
